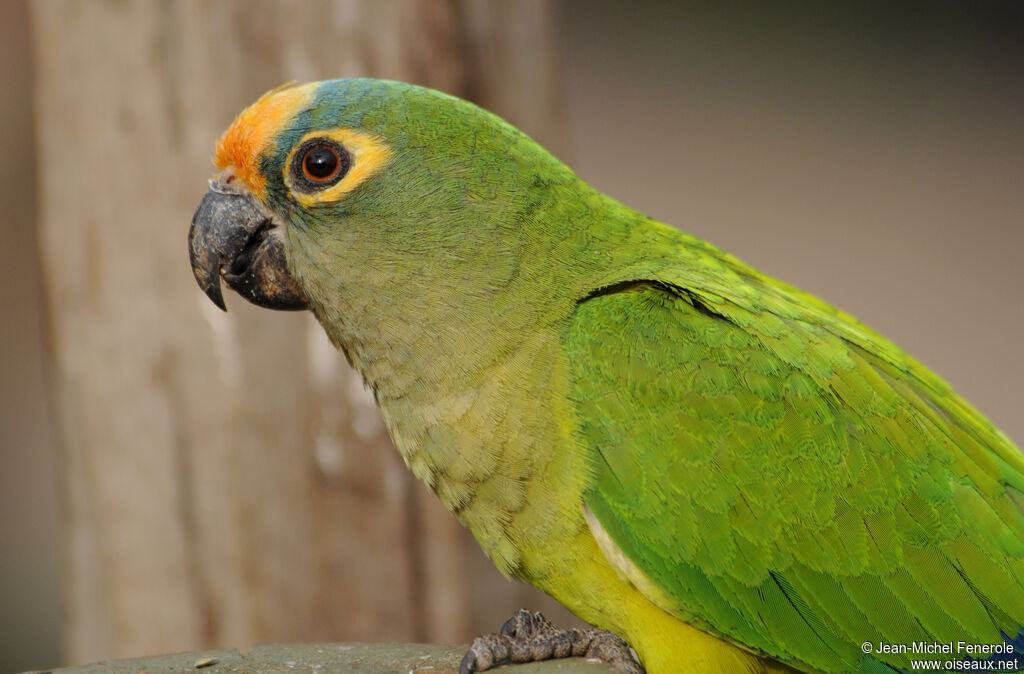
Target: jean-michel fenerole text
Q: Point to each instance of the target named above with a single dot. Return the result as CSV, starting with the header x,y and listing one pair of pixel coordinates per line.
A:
x,y
949,648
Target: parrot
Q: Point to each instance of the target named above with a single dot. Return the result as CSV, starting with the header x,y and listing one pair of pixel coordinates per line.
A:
x,y
717,471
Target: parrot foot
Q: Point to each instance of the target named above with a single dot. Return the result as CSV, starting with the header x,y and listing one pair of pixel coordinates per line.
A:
x,y
529,637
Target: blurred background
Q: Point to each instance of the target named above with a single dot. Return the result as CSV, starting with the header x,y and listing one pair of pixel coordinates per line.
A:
x,y
172,478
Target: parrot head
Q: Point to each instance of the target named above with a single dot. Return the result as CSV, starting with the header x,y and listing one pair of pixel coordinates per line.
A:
x,y
326,186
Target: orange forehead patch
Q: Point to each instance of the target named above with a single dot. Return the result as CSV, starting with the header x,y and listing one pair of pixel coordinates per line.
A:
x,y
254,129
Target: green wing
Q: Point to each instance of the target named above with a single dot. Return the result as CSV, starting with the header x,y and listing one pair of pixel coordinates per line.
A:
x,y
792,480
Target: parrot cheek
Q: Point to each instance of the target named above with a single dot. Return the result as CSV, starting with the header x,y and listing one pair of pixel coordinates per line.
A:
x,y
233,238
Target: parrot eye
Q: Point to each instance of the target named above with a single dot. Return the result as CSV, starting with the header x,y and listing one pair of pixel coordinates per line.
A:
x,y
318,164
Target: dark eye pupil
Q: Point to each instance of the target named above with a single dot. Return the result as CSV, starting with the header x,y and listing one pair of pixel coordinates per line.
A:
x,y
321,162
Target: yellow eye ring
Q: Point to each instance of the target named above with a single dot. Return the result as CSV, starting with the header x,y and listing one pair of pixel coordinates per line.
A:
x,y
360,155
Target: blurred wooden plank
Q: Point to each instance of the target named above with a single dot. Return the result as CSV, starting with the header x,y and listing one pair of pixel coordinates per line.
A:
x,y
30,502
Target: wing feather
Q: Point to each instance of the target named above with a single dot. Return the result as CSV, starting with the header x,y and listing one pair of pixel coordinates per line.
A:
x,y
791,480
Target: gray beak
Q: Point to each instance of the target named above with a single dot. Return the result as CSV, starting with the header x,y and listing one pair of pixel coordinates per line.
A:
x,y
231,237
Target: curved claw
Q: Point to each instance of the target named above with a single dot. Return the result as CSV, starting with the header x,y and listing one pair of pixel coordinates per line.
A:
x,y
468,664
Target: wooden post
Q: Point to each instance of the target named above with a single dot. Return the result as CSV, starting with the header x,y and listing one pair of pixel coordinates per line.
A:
x,y
227,480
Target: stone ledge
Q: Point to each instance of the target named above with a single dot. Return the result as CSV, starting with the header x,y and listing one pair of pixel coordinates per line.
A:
x,y
323,658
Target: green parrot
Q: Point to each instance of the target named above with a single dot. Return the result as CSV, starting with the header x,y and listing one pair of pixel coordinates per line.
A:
x,y
724,471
